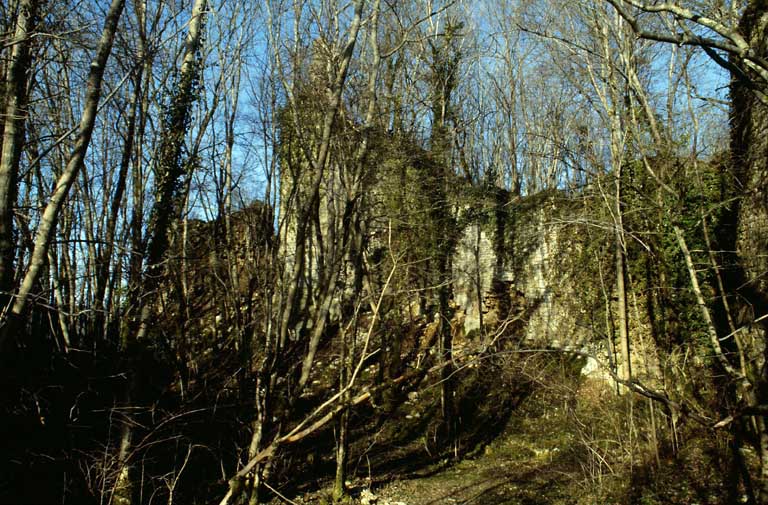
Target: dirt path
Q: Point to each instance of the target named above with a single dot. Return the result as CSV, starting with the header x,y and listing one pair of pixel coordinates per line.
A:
x,y
508,472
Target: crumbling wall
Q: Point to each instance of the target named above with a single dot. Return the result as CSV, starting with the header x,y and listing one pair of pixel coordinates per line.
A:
x,y
533,269
519,269
212,281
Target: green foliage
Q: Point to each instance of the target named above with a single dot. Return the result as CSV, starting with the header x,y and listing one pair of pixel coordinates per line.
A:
x,y
413,197
174,163
655,263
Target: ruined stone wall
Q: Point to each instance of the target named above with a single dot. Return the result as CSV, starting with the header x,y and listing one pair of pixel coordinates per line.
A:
x,y
521,269
537,269
212,283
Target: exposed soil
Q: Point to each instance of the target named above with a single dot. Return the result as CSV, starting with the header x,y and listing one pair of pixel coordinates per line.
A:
x,y
519,440
530,463
537,458
506,473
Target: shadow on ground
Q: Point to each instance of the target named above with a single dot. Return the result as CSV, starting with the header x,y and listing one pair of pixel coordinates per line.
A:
x,y
400,439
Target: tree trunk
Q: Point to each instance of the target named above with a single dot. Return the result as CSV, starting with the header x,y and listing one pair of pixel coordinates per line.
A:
x,y
105,256
342,455
15,113
621,291
749,147
166,210
51,213
749,216
443,80
171,167
342,440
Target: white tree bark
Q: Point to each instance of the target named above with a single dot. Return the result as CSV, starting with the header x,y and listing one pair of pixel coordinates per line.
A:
x,y
51,213
13,135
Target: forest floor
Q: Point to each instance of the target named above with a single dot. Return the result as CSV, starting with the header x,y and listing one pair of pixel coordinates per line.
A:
x,y
538,460
531,462
513,470
509,471
522,441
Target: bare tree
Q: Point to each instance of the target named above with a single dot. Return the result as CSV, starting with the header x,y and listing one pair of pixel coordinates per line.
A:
x,y
14,118
735,39
52,211
315,149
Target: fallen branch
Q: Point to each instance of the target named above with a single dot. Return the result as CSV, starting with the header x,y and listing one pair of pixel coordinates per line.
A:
x,y
756,410
304,429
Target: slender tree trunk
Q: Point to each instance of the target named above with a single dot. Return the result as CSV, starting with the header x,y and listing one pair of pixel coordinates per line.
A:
x,y
15,101
105,257
51,213
445,62
166,210
59,300
621,291
342,440
91,233
172,167
136,257
259,426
